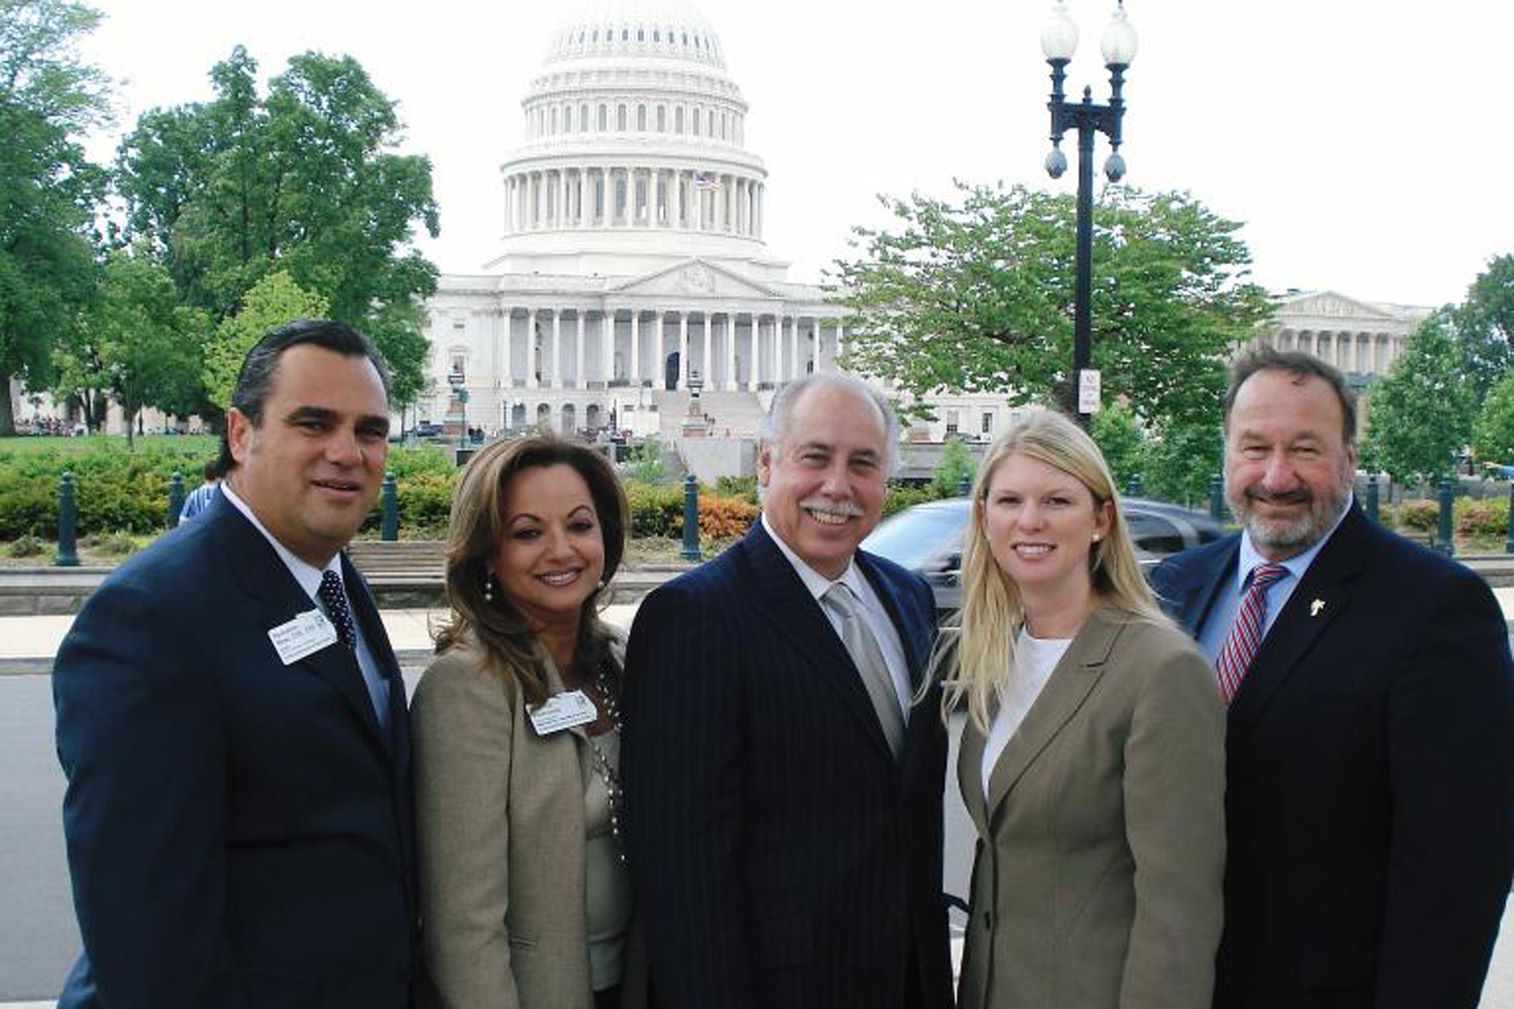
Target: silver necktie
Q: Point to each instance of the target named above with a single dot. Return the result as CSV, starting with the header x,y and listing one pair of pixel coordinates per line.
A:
x,y
862,645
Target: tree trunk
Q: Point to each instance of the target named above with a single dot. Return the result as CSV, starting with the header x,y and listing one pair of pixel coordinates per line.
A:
x,y
7,413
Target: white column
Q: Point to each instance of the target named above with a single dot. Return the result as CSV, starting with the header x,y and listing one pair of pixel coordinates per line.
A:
x,y
719,211
676,214
607,340
660,352
604,196
794,371
578,353
556,381
655,215
504,351
683,349
730,350
705,371
634,371
561,219
507,206
531,349
840,342
818,337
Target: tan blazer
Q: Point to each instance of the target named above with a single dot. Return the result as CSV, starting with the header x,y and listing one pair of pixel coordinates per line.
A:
x,y
500,842
1098,875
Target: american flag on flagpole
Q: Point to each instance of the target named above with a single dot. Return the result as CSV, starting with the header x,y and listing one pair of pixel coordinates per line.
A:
x,y
706,180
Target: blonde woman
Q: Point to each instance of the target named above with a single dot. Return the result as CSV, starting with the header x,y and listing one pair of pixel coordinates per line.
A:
x,y
525,897
1092,762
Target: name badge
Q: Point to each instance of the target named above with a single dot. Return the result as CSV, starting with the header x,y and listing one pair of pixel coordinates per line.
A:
x,y
563,711
309,632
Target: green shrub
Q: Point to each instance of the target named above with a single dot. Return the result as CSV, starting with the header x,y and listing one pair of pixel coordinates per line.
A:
x,y
1420,516
901,497
1481,520
744,487
26,546
654,510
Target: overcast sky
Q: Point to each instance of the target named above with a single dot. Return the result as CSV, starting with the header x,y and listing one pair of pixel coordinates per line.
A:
x,y
1368,147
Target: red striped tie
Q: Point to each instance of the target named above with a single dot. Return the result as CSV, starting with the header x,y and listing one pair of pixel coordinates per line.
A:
x,y
1246,633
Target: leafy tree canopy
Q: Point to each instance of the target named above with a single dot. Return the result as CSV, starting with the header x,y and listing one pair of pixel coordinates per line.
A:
x,y
48,189
272,302
303,179
1485,326
137,344
1421,414
977,296
1493,435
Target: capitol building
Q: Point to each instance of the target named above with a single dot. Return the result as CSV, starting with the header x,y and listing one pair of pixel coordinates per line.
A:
x,y
632,263
632,266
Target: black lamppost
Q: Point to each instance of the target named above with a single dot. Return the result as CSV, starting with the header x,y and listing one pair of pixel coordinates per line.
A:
x,y
1059,39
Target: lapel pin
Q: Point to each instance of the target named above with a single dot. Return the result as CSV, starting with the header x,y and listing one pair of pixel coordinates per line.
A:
x,y
1315,607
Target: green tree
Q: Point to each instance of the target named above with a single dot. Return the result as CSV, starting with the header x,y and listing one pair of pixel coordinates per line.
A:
x,y
1485,326
1421,414
977,296
644,463
1493,435
272,302
956,465
1115,431
137,344
304,179
48,98
1179,460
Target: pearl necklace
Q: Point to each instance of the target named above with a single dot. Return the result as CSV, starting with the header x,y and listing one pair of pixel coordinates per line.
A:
x,y
610,707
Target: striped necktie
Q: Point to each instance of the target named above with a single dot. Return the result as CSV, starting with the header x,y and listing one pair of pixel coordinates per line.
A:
x,y
1246,633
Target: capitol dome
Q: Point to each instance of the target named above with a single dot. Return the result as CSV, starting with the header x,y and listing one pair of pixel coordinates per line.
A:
x,y
634,150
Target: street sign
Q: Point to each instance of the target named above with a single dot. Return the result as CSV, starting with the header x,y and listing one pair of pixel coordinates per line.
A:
x,y
1088,391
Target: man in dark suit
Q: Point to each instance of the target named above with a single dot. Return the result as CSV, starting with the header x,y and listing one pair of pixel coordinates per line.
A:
x,y
783,796
1370,763
232,723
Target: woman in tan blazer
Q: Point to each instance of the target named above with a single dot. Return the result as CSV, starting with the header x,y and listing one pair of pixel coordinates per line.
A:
x,y
525,898
1092,761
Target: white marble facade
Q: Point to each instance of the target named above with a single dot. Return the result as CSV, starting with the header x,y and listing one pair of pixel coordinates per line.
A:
x,y
1360,338
631,254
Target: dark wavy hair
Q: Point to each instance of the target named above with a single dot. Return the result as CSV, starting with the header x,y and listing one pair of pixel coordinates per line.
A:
x,y
477,526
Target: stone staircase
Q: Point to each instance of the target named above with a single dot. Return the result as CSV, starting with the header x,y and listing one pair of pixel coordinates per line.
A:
x,y
740,413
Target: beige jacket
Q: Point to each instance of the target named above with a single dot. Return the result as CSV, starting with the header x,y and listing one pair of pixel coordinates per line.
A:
x,y
500,840
1097,882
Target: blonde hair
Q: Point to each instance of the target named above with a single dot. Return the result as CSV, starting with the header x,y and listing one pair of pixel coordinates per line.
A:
x,y
977,648
496,628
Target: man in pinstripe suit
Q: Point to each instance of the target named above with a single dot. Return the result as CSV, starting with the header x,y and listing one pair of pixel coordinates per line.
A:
x,y
783,794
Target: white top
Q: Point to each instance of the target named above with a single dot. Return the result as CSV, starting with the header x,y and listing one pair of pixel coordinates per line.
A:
x,y
1035,658
309,578
871,607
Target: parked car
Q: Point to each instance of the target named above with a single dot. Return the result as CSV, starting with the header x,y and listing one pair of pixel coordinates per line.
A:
x,y
928,538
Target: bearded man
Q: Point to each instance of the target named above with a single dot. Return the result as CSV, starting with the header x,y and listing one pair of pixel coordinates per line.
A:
x,y
1370,755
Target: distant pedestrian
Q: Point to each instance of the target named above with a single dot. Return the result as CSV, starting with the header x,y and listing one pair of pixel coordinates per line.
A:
x,y
199,499
1370,752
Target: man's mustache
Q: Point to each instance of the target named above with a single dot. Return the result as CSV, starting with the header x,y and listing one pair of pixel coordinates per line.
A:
x,y
1292,497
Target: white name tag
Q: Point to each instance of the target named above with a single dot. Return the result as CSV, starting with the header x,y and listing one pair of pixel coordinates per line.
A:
x,y
563,711
309,632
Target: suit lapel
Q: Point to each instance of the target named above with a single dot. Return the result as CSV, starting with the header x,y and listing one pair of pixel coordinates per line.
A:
x,y
1069,686
794,613
1317,601
970,776
1204,587
264,577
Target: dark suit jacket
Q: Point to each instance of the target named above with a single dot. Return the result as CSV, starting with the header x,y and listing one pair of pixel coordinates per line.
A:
x,y
782,858
1370,799
239,832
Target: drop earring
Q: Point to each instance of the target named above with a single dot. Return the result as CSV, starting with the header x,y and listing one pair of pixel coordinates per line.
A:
x,y
488,587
